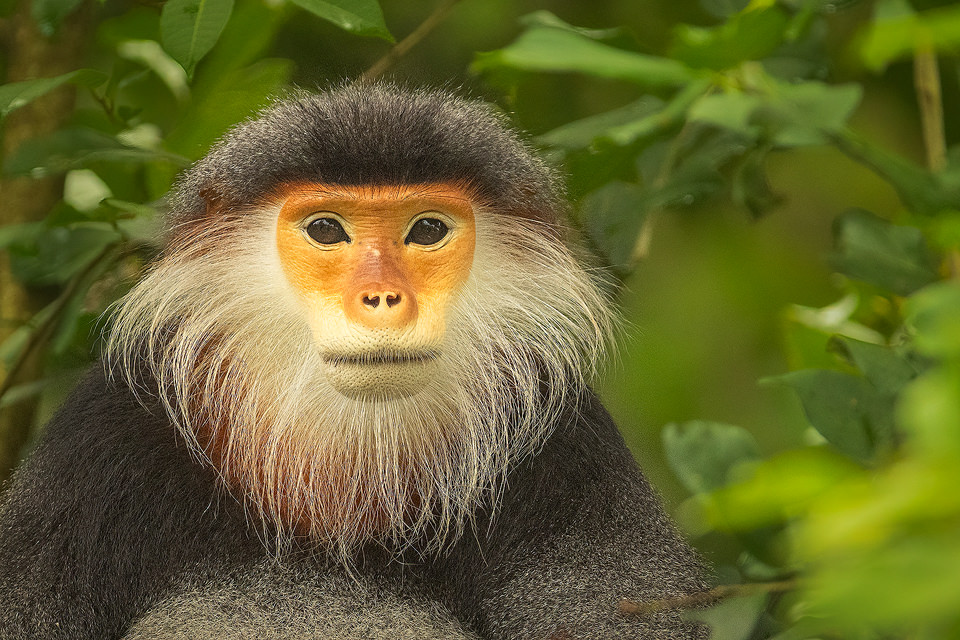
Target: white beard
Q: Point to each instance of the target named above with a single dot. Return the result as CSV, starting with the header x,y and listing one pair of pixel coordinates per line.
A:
x,y
218,327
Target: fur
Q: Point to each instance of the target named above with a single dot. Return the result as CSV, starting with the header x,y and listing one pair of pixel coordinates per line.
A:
x,y
221,333
216,486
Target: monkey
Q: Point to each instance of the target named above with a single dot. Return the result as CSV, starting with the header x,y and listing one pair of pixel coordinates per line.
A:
x,y
350,399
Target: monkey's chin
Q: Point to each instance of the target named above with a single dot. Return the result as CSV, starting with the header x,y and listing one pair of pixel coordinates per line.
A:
x,y
380,377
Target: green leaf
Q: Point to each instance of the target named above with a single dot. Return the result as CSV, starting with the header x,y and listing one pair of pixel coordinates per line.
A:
x,y
21,233
613,215
68,149
922,192
846,410
12,347
190,28
808,113
732,110
750,35
58,253
582,133
893,257
899,36
751,188
733,618
784,114
703,454
888,370
17,94
49,14
543,18
362,17
21,392
560,50
671,115
151,55
225,100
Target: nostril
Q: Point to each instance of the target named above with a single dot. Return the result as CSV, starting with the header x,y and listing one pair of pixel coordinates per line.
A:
x,y
373,301
393,299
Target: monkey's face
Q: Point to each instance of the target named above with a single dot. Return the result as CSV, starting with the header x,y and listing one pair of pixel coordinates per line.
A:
x,y
375,269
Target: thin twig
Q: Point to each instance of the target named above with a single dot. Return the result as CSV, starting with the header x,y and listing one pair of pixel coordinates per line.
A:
x,y
677,110
42,331
926,81
702,598
401,48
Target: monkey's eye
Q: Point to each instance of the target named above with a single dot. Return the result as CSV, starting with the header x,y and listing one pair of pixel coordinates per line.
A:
x,y
327,231
427,231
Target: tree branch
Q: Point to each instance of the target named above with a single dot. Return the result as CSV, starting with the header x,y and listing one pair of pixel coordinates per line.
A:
x,y
703,598
43,330
404,46
926,81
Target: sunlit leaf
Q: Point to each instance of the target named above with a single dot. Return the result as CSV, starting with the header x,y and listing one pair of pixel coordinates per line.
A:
x,y
543,18
150,54
560,50
362,17
896,37
930,413
190,28
779,488
21,392
913,581
933,314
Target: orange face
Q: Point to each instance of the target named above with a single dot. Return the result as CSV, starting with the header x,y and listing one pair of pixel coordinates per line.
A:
x,y
376,268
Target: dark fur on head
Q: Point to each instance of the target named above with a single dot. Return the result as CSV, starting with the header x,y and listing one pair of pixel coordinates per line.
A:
x,y
372,135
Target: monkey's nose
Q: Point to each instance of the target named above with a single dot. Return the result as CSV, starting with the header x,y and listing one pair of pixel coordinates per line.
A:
x,y
379,307
391,298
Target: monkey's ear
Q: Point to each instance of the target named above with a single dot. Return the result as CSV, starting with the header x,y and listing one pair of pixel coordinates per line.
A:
x,y
213,200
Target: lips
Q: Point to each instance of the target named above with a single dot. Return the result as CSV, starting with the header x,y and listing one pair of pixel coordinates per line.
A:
x,y
374,358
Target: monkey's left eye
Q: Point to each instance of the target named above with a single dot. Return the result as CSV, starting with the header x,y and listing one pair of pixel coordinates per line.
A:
x,y
327,231
427,231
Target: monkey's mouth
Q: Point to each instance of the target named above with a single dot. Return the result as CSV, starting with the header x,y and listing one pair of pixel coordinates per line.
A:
x,y
374,358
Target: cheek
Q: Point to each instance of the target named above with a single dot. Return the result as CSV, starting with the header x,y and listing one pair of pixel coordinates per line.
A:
x,y
317,278
438,277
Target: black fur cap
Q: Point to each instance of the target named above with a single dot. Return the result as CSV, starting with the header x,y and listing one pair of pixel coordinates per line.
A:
x,y
370,134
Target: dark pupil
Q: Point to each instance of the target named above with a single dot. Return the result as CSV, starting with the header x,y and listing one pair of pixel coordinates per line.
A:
x,y
327,231
427,231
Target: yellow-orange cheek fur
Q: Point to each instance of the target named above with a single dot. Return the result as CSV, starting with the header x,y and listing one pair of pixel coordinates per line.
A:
x,y
328,280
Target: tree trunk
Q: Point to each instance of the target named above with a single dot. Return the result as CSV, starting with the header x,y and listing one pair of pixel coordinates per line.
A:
x,y
30,55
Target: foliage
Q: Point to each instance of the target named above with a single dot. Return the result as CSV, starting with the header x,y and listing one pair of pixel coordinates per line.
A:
x,y
862,521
